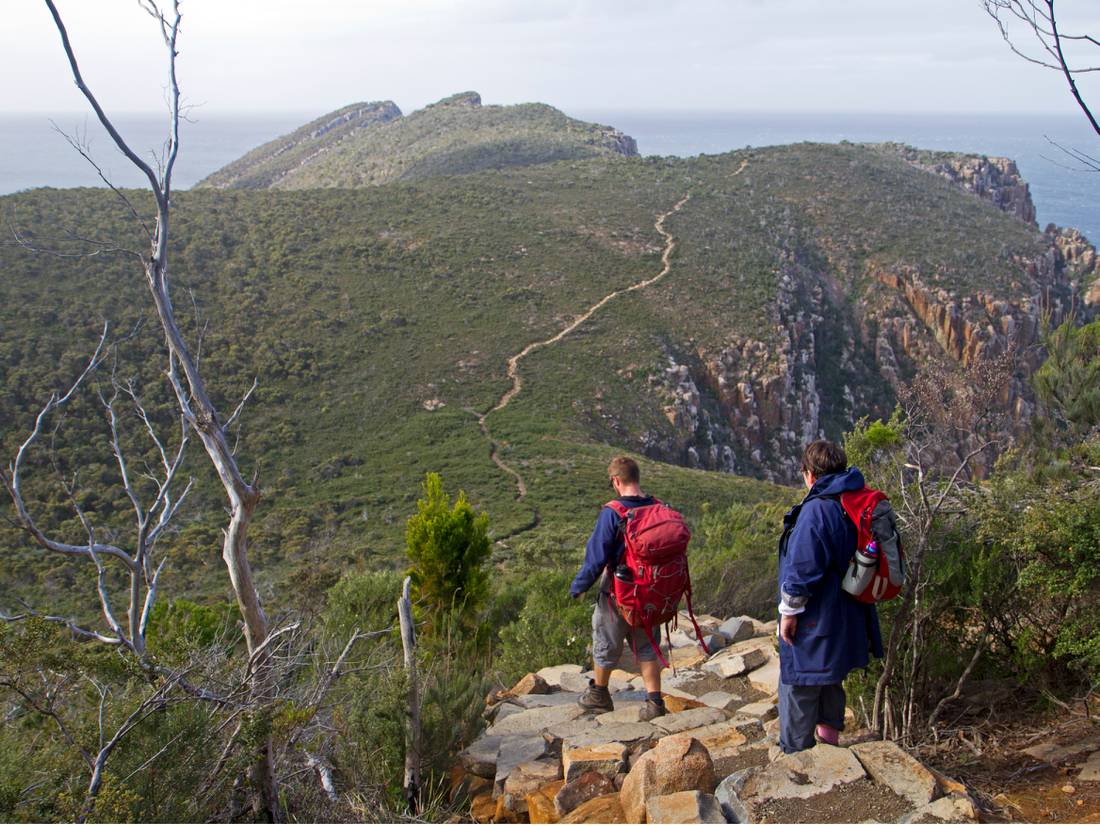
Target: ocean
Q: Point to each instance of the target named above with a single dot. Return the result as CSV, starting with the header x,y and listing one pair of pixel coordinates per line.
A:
x,y
33,154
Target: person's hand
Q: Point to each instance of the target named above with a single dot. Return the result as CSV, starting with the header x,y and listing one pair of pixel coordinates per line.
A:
x,y
788,626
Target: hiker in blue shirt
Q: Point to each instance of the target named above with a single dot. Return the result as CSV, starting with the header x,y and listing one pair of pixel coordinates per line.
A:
x,y
824,633
610,630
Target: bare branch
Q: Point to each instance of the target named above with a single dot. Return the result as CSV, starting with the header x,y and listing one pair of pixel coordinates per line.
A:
x,y
102,115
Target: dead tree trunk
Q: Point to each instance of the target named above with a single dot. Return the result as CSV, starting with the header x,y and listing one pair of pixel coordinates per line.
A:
x,y
190,390
412,721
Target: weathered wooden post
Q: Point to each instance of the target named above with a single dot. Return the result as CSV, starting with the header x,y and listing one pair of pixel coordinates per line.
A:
x,y
412,721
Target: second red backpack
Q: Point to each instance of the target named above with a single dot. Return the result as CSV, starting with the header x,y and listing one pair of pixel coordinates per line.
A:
x,y
876,572
652,575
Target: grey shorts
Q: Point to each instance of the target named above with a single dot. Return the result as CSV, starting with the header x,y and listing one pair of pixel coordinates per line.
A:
x,y
610,631
802,708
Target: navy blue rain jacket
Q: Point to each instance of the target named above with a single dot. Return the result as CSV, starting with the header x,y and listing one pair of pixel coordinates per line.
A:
x,y
605,545
835,633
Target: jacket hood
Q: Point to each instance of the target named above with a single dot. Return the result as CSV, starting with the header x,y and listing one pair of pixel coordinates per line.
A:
x,y
837,483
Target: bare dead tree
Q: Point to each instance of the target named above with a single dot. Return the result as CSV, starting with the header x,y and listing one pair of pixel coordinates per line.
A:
x,y
1071,54
194,401
948,422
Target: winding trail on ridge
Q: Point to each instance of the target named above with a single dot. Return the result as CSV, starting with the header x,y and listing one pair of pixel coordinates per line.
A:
x,y
517,379
513,362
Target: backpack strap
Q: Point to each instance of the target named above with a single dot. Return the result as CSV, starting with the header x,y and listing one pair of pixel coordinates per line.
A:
x,y
618,507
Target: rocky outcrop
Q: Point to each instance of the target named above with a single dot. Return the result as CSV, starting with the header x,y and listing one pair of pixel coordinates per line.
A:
x,y
831,357
996,180
608,768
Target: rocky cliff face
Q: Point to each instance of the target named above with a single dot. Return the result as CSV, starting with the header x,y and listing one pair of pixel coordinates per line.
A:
x,y
750,407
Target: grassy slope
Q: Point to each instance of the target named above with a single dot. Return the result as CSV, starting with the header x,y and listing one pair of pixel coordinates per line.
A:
x,y
355,307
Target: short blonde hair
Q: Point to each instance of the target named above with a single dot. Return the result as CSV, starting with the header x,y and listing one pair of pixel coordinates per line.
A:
x,y
625,469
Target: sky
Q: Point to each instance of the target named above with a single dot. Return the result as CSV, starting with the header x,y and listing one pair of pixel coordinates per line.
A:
x,y
237,56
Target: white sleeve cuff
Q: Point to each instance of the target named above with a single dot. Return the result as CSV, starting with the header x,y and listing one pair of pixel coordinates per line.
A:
x,y
786,610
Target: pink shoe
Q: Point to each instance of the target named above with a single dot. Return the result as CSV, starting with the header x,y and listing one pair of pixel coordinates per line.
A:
x,y
828,735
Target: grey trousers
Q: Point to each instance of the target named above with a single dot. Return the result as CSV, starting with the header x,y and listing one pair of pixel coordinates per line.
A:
x,y
802,708
610,631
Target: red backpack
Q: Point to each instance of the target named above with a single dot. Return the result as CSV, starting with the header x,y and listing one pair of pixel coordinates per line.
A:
x,y
652,574
876,572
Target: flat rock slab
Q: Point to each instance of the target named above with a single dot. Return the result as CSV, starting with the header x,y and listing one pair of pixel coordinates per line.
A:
x,y
804,774
629,711
480,758
687,719
558,733
954,808
552,675
1091,770
514,751
625,732
721,700
601,809
764,711
729,666
750,726
546,700
766,677
535,719
685,806
606,759
889,765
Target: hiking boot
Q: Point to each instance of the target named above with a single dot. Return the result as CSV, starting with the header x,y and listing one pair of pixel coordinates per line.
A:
x,y
651,710
596,697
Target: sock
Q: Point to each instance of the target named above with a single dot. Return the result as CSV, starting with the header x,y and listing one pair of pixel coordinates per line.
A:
x,y
655,697
828,734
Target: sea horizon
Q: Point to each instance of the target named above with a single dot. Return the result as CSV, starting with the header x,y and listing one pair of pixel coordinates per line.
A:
x,y
33,154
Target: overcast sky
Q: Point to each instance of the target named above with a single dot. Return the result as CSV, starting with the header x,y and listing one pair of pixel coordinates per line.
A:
x,y
313,56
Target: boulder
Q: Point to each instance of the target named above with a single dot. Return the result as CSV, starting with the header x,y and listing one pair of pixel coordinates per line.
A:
x,y
483,807
505,814
529,684
576,792
729,665
804,774
601,809
737,629
465,785
687,719
685,806
759,710
480,758
502,710
953,808
721,700
677,763
526,778
722,741
606,759
685,657
514,751
535,719
540,804
680,638
766,677
889,765
728,795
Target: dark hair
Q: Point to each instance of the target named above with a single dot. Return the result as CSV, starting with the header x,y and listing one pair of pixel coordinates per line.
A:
x,y
625,469
823,458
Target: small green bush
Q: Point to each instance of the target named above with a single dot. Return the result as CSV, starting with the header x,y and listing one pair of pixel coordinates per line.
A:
x,y
551,629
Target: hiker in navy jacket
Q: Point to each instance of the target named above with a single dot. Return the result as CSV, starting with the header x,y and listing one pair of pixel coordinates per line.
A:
x,y
610,630
824,633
